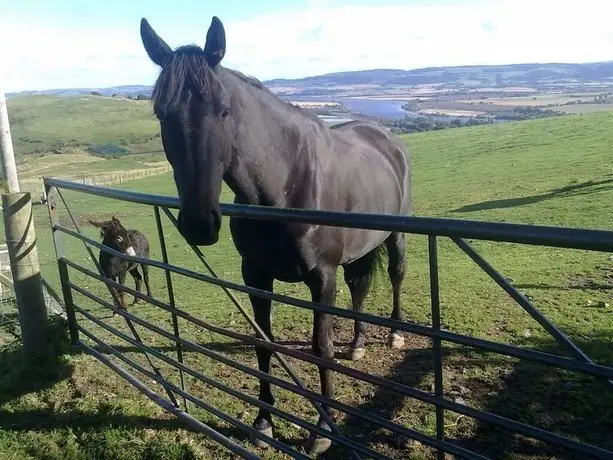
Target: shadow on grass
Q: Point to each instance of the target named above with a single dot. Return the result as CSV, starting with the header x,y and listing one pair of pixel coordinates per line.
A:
x,y
584,188
18,376
415,366
563,402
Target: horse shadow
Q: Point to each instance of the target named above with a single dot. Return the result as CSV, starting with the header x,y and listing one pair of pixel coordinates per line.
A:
x,y
584,188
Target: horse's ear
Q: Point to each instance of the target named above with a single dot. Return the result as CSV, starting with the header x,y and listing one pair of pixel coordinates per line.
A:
x,y
115,220
215,47
157,49
96,223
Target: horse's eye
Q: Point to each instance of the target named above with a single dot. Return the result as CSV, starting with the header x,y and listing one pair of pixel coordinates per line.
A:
x,y
119,239
225,112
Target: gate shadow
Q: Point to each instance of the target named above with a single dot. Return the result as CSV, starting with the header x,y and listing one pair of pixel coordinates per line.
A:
x,y
559,401
563,402
414,370
18,379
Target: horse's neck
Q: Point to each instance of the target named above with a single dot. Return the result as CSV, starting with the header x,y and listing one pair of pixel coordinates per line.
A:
x,y
273,146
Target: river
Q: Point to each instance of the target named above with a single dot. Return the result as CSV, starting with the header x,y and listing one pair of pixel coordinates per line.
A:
x,y
380,108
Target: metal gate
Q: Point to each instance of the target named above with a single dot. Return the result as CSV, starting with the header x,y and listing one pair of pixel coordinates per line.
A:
x,y
457,230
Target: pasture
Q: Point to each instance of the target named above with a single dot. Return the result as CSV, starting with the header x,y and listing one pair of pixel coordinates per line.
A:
x,y
550,171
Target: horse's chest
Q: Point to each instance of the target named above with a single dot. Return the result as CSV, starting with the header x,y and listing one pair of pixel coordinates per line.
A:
x,y
272,246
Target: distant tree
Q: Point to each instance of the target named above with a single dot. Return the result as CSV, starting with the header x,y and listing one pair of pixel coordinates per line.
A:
x,y
96,93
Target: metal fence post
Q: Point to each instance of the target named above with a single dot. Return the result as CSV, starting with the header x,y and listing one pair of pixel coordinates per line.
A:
x,y
23,254
61,265
171,297
436,342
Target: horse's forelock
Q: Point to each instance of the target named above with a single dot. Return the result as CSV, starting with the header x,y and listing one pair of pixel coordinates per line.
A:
x,y
188,66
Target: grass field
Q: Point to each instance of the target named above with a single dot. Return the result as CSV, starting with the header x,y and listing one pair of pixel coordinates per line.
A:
x,y
550,171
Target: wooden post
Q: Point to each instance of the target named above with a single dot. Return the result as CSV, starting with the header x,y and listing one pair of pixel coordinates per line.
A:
x,y
6,147
21,244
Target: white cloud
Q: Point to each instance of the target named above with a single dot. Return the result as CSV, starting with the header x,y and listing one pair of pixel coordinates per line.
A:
x,y
322,39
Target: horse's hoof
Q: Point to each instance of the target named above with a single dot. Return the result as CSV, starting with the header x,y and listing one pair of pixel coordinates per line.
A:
x,y
317,445
260,442
357,354
395,341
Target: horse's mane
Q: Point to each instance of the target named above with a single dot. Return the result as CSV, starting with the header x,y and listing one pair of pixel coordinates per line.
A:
x,y
258,84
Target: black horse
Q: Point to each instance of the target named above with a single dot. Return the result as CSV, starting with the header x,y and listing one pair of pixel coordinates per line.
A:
x,y
131,242
219,125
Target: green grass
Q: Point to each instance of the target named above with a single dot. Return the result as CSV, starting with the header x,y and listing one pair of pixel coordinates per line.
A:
x,y
551,171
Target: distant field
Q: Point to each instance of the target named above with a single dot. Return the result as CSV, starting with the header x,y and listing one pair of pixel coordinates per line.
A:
x,y
44,124
551,171
481,105
544,99
585,108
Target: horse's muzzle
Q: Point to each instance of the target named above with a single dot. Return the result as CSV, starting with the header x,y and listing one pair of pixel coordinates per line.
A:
x,y
200,229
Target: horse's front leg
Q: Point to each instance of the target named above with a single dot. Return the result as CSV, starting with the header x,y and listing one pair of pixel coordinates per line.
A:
x,y
323,291
255,277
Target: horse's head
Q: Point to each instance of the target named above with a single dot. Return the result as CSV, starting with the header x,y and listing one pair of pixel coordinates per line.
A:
x,y
196,124
115,235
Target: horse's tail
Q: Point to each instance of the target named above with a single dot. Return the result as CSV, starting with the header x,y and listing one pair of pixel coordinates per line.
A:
x,y
379,261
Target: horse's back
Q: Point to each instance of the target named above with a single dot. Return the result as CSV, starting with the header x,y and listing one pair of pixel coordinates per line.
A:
x,y
373,145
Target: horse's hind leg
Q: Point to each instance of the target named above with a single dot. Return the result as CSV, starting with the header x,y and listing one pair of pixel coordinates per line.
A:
x,y
358,279
138,282
396,267
145,268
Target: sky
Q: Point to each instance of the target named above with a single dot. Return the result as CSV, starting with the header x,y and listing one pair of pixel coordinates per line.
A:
x,y
91,44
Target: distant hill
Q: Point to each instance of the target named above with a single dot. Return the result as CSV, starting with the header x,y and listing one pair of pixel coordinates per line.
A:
x,y
509,74
381,81
124,91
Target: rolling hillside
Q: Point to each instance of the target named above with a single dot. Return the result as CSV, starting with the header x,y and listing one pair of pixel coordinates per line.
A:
x,y
50,124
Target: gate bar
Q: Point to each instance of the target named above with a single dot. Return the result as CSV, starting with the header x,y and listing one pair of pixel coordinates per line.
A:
x,y
556,333
436,342
268,377
513,351
199,402
171,296
364,415
540,235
